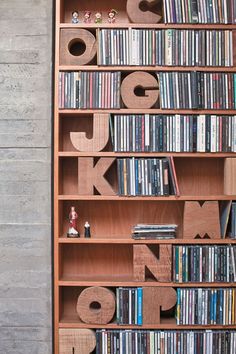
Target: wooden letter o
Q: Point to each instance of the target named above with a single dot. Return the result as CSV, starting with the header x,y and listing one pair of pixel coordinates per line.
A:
x,y
96,305
82,38
144,81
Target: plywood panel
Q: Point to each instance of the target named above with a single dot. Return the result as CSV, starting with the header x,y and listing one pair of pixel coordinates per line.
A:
x,y
200,176
89,261
116,218
94,6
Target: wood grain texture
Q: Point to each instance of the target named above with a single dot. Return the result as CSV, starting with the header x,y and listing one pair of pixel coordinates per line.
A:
x,y
147,15
199,177
93,5
96,305
139,80
93,262
84,40
100,135
154,300
230,176
76,341
115,219
201,220
90,176
144,257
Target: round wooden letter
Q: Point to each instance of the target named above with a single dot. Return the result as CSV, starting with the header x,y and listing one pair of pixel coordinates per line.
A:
x,y
77,47
144,11
96,305
139,81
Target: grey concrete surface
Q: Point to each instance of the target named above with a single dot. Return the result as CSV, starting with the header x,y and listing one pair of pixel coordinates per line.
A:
x,y
25,176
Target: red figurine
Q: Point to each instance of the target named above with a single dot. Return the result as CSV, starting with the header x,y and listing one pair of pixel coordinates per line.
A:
x,y
112,16
87,17
73,216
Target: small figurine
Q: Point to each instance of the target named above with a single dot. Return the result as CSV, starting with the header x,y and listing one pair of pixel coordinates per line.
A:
x,y
73,216
87,17
75,17
87,230
98,17
112,16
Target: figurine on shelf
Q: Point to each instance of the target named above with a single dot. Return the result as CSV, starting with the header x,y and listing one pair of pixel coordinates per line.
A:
x,y
98,17
73,216
75,17
87,230
112,16
87,17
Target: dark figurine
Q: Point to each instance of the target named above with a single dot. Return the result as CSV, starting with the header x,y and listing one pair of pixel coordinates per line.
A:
x,y
87,230
75,17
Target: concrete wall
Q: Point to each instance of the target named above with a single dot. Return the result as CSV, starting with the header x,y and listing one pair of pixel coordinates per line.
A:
x,y
25,181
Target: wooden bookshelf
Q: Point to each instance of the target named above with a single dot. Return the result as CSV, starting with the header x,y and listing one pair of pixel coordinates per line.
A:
x,y
106,259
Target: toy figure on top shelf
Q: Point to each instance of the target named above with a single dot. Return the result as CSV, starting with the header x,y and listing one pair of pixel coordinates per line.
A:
x,y
98,17
87,17
73,216
75,17
87,232
112,16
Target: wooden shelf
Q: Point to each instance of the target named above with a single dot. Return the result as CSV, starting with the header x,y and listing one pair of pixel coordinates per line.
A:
x,y
131,283
146,68
73,322
207,26
154,199
150,111
146,154
66,240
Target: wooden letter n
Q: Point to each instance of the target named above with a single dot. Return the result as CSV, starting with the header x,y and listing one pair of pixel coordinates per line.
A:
x,y
144,258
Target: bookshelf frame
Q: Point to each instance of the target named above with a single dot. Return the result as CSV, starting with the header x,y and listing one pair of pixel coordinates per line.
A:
x,y
60,241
